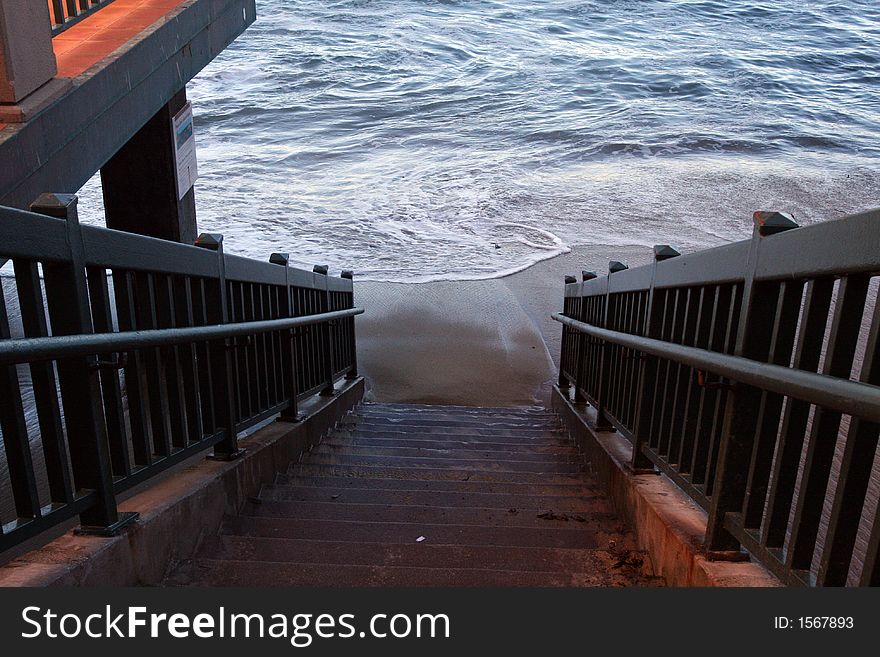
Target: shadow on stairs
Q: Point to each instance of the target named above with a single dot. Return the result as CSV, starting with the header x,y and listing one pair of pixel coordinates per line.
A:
x,y
413,495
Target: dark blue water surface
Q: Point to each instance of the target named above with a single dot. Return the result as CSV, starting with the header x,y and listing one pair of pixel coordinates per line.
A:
x,y
445,139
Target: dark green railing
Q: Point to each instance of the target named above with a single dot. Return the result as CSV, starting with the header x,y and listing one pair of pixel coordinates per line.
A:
x,y
132,353
749,375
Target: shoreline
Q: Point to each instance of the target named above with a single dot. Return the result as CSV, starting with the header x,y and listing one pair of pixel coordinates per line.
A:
x,y
478,342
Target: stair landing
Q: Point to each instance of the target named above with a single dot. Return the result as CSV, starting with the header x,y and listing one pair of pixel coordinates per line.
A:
x,y
412,495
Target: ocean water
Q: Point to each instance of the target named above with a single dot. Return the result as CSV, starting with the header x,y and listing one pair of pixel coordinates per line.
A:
x,y
447,139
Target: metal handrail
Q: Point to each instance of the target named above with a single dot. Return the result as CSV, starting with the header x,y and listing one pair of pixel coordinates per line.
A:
x,y
31,350
842,395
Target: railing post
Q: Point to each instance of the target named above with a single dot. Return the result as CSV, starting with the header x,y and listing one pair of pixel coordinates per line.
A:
x,y
288,349
327,328
224,391
646,397
582,339
739,422
353,370
602,421
567,336
67,297
562,381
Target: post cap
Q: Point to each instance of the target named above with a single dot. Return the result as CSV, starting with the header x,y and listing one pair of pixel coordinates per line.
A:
x,y
280,259
588,275
570,279
616,266
770,223
212,241
54,205
321,269
665,252
347,273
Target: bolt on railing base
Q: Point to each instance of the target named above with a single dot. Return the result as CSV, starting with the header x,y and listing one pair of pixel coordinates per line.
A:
x,y
734,556
126,518
232,456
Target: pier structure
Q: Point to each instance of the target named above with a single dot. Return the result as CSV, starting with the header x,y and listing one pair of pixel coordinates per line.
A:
x,y
95,85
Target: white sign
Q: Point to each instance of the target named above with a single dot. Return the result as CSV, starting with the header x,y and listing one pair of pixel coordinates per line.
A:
x,y
184,150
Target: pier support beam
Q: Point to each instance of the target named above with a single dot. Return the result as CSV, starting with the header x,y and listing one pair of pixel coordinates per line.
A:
x,y
140,183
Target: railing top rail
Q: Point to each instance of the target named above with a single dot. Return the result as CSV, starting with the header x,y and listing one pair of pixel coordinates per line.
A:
x,y
32,236
29,350
842,395
843,246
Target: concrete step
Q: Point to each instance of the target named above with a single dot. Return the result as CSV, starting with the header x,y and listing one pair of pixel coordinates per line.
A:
x,y
450,450
576,535
482,429
551,465
547,438
436,474
207,572
591,515
477,411
511,421
427,497
568,489
421,555
492,422
440,443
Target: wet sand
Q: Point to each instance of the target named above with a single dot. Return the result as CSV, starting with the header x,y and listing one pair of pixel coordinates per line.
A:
x,y
488,342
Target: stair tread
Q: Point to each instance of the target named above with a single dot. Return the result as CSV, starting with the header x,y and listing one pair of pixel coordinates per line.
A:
x,y
239,548
530,515
552,438
549,465
532,447
268,574
444,474
405,532
415,484
480,500
443,408
451,430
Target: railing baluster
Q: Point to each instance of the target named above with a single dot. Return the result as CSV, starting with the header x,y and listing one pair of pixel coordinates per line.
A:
x,y
856,465
754,326
689,420
288,343
808,351
136,387
166,316
69,313
157,380
845,326
209,410
224,388
708,405
770,409
33,317
352,338
102,316
15,433
326,333
190,358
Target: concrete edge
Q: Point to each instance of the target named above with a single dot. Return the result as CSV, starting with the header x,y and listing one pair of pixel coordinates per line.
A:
x,y
178,512
664,520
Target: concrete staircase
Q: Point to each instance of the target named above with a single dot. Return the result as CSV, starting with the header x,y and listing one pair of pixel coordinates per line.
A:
x,y
410,495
